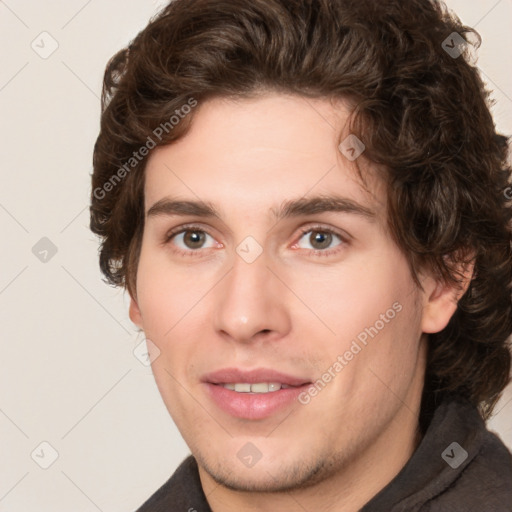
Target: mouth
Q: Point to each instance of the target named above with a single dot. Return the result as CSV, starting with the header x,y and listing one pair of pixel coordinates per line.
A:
x,y
255,394
258,387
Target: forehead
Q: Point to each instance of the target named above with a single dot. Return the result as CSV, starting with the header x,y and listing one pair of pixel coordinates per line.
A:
x,y
259,152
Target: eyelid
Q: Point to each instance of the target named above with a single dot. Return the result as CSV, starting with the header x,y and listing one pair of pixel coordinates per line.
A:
x,y
169,234
178,230
345,237
341,234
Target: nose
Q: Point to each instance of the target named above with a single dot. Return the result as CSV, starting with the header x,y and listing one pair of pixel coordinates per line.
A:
x,y
251,303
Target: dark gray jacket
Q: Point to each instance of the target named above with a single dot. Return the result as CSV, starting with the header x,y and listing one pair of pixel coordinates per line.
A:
x,y
459,466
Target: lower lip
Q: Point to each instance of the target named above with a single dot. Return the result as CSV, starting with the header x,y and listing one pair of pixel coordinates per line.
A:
x,y
253,406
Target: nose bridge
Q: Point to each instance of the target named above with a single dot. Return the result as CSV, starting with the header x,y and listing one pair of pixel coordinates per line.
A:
x,y
249,301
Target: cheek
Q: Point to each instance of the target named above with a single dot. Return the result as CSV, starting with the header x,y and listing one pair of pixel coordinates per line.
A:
x,y
361,293
166,294
369,316
383,348
173,303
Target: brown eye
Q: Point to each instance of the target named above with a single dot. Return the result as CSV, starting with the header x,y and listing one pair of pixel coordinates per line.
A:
x,y
320,239
194,239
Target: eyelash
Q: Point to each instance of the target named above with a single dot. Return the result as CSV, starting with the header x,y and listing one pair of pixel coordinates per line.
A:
x,y
323,229
317,252
182,229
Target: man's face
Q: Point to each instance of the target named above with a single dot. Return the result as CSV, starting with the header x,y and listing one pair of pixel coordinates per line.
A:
x,y
277,288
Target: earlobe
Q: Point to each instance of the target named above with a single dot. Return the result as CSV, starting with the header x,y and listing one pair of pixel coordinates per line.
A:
x,y
442,299
440,307
134,312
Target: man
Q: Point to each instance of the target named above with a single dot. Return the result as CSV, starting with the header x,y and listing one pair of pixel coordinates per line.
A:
x,y
306,200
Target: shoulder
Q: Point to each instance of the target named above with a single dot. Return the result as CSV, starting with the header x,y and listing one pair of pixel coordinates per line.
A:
x,y
459,466
485,483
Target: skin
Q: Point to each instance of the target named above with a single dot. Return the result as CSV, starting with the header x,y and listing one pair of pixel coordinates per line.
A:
x,y
295,309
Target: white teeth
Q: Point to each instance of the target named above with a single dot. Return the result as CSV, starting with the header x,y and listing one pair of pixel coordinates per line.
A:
x,y
243,388
259,387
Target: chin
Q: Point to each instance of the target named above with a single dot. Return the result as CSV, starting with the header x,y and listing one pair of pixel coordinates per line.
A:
x,y
264,476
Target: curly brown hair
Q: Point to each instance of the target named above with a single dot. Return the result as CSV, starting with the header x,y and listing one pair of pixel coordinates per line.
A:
x,y
422,112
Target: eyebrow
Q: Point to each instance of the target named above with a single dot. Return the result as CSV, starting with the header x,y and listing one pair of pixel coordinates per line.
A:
x,y
321,204
292,208
167,206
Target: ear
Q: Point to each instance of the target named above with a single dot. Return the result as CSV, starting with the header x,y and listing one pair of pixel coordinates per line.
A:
x,y
134,312
441,298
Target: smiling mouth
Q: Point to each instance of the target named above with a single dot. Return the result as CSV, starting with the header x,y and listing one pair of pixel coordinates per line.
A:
x,y
258,387
253,394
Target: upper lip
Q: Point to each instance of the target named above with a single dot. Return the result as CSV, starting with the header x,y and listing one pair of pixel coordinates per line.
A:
x,y
236,375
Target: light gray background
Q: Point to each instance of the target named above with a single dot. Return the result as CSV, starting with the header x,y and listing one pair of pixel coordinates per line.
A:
x,y
68,375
